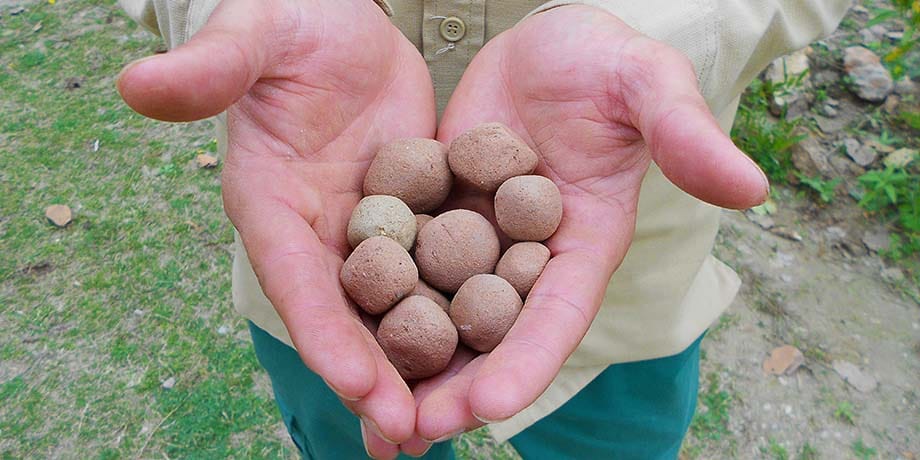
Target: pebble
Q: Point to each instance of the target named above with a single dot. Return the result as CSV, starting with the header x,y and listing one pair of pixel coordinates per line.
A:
x,y
223,330
862,155
876,240
858,379
905,86
168,384
900,158
893,275
871,81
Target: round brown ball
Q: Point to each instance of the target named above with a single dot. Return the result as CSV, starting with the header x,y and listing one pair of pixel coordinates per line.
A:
x,y
455,246
413,170
421,220
528,208
522,264
489,154
381,215
377,274
483,310
423,289
418,337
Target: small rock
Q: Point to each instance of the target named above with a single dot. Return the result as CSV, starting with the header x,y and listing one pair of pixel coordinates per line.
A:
x,y
829,110
862,155
811,158
894,37
793,98
893,275
784,360
858,379
205,161
891,104
138,312
786,233
860,10
879,30
878,146
845,166
17,11
763,221
905,86
825,77
871,81
835,233
59,214
168,384
223,330
867,36
830,125
900,158
876,240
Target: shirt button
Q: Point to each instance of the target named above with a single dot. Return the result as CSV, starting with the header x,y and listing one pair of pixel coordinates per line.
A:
x,y
453,29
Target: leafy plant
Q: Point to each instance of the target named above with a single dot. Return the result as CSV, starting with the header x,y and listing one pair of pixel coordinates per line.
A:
x,y
861,450
768,141
909,12
844,412
824,188
808,452
712,423
895,190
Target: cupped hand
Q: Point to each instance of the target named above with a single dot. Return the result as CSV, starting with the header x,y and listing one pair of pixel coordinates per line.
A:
x,y
311,89
598,102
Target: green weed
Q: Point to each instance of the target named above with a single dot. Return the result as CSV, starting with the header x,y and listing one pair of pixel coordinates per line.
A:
x,y
711,421
826,189
862,451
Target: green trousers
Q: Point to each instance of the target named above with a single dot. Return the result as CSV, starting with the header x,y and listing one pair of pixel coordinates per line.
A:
x,y
638,410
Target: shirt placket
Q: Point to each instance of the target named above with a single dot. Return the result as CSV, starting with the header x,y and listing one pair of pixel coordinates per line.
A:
x,y
453,31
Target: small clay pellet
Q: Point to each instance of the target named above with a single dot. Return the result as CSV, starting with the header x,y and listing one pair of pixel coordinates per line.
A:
x,y
455,246
488,155
484,310
522,264
413,170
528,208
418,337
378,273
381,215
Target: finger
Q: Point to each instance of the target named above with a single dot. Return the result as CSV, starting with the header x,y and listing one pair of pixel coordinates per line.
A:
x,y
375,446
565,299
388,411
216,67
444,410
299,275
684,138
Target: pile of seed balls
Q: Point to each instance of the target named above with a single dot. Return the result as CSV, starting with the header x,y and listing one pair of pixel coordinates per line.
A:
x,y
406,264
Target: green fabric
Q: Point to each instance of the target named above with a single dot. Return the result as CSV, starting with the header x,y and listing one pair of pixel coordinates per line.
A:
x,y
638,410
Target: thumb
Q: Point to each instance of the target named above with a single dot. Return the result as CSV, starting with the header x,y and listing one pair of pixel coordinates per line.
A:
x,y
684,138
210,72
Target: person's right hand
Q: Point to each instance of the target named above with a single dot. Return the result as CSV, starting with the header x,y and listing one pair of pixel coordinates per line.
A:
x,y
311,89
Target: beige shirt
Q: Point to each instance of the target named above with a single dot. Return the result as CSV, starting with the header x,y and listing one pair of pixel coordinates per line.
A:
x,y
669,288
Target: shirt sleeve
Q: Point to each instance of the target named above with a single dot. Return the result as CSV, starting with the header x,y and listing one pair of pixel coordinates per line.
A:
x,y
177,20
729,41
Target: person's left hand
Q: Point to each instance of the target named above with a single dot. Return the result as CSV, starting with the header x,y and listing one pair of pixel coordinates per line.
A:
x,y
598,102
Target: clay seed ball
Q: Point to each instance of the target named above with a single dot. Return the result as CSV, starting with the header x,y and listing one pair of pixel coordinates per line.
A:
x,y
417,337
377,274
489,154
522,264
455,246
483,310
421,220
413,170
381,215
528,208
423,289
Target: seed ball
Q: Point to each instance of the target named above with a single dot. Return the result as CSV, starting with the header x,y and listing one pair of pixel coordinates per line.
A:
x,y
421,220
522,264
528,208
381,215
488,155
413,170
483,310
378,273
455,246
423,289
418,337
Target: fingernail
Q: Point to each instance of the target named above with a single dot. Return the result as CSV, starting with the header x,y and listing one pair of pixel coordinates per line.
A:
x,y
338,393
446,437
375,429
364,439
133,64
487,421
425,451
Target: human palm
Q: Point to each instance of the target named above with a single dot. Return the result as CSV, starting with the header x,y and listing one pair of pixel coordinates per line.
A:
x,y
598,102
311,90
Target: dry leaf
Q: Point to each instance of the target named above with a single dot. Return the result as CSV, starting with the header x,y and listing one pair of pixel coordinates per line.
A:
x,y
59,214
783,360
37,27
784,232
205,161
